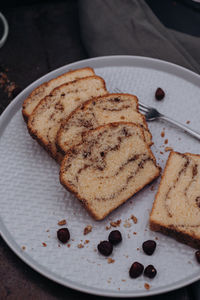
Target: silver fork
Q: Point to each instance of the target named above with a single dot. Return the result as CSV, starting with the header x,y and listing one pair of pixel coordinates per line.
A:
x,y
152,114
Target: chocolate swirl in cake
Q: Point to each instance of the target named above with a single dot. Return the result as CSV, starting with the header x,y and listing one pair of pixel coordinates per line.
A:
x,y
176,209
111,164
92,114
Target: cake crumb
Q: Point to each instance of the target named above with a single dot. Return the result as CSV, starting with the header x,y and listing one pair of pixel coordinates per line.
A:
x,y
115,223
44,244
138,249
134,218
23,248
80,246
123,280
62,222
147,286
162,134
86,241
127,224
134,232
59,245
47,230
68,245
87,229
108,281
110,260
108,227
166,141
168,149
156,238
128,236
161,152
118,289
188,122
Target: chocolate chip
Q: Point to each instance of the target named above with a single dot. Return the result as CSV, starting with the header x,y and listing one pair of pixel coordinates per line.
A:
x,y
102,154
149,247
105,248
197,254
136,270
63,235
160,94
115,237
150,271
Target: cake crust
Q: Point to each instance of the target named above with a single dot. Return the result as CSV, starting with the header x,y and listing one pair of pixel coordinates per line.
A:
x,y
41,89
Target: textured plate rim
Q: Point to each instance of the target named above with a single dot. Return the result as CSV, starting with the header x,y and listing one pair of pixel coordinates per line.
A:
x,y
13,107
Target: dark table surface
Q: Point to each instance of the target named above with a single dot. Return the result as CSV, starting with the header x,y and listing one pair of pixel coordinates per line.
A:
x,y
44,36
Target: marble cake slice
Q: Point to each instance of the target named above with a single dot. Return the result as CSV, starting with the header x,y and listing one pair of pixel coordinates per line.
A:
x,y
94,113
176,209
111,165
46,118
47,87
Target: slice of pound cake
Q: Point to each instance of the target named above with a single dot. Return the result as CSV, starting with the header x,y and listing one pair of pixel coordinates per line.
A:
x,y
46,119
94,113
111,165
176,209
47,87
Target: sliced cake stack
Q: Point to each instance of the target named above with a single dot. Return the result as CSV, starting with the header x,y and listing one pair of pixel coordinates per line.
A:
x,y
44,122
103,138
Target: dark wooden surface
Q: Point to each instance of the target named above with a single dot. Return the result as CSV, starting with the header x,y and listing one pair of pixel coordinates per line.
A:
x,y
42,37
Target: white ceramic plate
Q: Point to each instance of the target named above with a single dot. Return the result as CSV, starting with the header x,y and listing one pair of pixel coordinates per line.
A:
x,y
32,201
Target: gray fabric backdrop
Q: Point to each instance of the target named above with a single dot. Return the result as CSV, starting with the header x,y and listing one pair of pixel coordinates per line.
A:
x,y
130,27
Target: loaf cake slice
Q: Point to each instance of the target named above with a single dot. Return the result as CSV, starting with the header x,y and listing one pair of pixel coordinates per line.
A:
x,y
111,165
176,209
94,113
47,87
45,120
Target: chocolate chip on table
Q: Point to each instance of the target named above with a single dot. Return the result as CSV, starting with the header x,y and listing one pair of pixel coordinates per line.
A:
x,y
136,270
160,94
197,254
149,247
105,248
63,235
115,237
150,271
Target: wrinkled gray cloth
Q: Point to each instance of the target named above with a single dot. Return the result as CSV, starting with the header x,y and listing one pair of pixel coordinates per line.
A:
x,y
129,27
